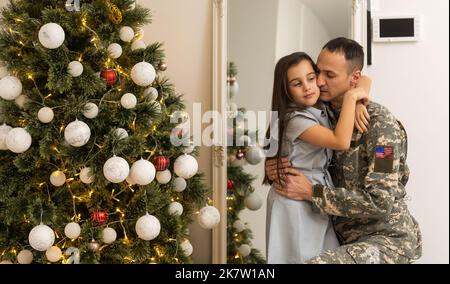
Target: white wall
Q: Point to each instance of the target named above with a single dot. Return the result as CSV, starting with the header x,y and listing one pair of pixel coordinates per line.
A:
x,y
411,79
289,28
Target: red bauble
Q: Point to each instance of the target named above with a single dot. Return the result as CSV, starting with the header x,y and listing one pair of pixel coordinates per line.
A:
x,y
161,163
110,76
230,184
99,216
240,155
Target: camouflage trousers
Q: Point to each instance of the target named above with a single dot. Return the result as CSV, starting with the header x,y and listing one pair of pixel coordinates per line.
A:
x,y
360,253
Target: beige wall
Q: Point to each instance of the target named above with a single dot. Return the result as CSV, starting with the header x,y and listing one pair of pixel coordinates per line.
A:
x,y
185,27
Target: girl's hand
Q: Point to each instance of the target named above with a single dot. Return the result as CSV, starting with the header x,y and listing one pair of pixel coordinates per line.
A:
x,y
362,118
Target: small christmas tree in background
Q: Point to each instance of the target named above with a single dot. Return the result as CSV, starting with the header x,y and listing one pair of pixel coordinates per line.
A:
x,y
85,128
240,192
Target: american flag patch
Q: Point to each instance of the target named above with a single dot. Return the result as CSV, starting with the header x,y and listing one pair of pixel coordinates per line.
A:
x,y
384,152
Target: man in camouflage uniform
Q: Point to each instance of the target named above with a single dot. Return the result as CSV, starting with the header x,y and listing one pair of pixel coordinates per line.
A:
x,y
367,205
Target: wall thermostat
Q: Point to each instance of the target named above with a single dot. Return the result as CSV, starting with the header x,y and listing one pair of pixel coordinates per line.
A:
x,y
393,29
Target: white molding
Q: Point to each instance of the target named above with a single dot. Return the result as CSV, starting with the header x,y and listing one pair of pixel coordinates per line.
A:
x,y
219,100
359,23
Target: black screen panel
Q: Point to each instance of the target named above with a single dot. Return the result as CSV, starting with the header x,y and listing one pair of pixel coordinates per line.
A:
x,y
397,27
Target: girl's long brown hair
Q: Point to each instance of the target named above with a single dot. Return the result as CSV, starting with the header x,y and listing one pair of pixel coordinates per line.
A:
x,y
282,101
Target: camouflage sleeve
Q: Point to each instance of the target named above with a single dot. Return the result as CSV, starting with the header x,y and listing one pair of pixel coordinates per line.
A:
x,y
372,194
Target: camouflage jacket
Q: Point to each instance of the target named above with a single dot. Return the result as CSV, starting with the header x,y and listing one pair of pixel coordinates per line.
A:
x,y
368,200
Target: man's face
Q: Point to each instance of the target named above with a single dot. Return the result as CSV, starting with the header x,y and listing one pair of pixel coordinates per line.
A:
x,y
334,79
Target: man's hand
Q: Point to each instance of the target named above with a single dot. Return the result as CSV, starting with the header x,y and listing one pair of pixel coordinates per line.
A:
x,y
295,185
271,168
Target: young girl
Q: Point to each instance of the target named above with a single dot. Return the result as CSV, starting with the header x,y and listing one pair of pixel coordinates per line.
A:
x,y
294,232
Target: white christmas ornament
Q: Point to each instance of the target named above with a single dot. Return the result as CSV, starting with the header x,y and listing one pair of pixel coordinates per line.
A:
x,y
10,88
156,107
109,235
128,101
185,166
126,34
53,254
164,177
244,140
150,94
233,90
148,227
179,184
86,175
41,237
114,50
51,35
138,44
232,110
75,68
254,155
143,172
72,230
208,217
77,133
121,133
58,178
253,201
130,180
4,129
116,169
6,262
21,101
25,257
90,110
244,250
46,115
239,226
187,248
143,74
175,208
18,140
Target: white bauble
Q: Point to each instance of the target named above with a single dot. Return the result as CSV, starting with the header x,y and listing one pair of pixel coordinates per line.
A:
x,y
18,140
21,101
232,110
51,35
254,155
41,237
143,172
4,129
185,166
175,208
244,250
233,90
77,133
10,88
25,257
116,169
6,262
138,44
143,74
130,180
239,226
75,68
109,235
121,133
72,230
150,94
126,34
46,115
244,140
208,217
90,110
156,107
253,201
186,247
164,177
148,227
86,176
53,254
179,184
128,101
57,178
114,50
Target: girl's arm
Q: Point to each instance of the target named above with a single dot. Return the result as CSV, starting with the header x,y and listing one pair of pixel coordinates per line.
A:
x,y
340,138
362,117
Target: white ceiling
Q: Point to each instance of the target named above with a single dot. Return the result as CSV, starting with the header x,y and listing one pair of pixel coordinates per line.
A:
x,y
334,14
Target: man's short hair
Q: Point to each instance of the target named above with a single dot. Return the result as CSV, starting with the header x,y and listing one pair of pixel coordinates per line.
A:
x,y
353,52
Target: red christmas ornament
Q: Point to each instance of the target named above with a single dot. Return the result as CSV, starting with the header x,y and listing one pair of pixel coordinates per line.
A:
x,y
161,163
240,155
230,184
99,216
110,76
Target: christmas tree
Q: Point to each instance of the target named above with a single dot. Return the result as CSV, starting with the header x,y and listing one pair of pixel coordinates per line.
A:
x,y
88,173
240,192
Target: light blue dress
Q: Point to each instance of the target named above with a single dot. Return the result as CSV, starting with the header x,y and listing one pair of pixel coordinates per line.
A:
x,y
294,233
